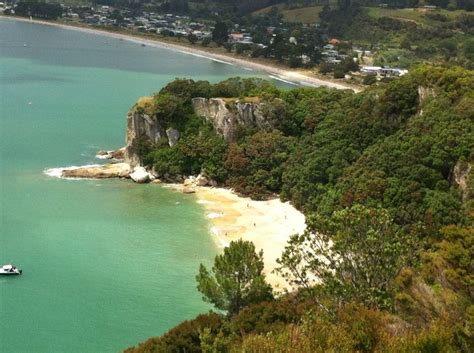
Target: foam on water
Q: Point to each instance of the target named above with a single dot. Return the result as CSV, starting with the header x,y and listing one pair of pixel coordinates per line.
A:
x,y
205,202
213,215
58,172
278,78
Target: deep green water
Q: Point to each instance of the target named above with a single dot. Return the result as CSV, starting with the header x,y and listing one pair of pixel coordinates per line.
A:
x,y
108,263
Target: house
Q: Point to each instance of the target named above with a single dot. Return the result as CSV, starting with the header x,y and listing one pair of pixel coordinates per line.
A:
x,y
240,38
381,71
236,37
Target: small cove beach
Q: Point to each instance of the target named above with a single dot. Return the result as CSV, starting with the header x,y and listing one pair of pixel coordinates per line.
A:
x,y
268,224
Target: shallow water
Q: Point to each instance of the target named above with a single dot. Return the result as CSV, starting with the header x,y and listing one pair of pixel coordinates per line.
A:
x,y
106,263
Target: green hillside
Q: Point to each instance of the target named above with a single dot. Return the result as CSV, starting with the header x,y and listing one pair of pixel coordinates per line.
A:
x,y
385,180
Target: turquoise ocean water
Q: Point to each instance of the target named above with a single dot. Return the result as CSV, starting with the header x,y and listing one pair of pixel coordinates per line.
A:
x,y
106,263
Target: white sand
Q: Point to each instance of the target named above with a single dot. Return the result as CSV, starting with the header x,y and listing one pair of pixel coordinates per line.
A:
x,y
268,224
291,76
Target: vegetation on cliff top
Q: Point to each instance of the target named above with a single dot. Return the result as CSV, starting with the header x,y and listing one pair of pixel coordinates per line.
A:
x,y
378,175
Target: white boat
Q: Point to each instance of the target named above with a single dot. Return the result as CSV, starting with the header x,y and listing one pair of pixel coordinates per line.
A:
x,y
9,270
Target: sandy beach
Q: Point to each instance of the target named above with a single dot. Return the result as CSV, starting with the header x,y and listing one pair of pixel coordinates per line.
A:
x,y
297,77
268,224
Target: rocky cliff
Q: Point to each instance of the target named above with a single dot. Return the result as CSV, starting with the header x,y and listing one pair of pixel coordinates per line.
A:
x,y
225,114
143,124
463,177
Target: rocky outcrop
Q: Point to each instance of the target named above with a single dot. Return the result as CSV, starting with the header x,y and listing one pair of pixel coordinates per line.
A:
x,y
173,136
193,181
113,170
226,115
462,178
140,125
424,94
187,190
116,155
140,175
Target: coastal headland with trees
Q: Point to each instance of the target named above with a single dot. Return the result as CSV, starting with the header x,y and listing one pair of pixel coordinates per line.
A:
x,y
383,176
384,179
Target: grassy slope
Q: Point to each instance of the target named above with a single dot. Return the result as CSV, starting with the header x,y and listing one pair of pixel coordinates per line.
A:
x,y
311,14
303,14
414,14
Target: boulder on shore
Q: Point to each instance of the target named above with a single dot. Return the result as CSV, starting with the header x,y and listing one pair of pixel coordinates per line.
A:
x,y
194,181
113,170
188,190
140,175
201,180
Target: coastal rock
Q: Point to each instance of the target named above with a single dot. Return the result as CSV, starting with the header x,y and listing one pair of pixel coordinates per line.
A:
x,y
141,125
173,136
102,153
140,175
191,181
188,190
114,170
116,154
201,180
226,115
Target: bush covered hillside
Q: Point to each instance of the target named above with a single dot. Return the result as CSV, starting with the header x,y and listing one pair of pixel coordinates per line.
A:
x,y
385,180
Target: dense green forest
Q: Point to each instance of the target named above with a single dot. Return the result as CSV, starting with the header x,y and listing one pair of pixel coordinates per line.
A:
x,y
384,178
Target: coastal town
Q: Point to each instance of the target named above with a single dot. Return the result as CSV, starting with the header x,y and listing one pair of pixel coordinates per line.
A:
x,y
302,46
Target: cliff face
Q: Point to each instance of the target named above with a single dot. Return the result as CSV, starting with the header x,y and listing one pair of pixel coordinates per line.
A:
x,y
463,178
225,115
140,125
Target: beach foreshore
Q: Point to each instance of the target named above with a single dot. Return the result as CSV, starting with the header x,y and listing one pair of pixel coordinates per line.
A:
x,y
297,77
268,224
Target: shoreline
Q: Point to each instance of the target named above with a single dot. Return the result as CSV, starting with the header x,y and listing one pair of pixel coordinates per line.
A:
x,y
298,77
268,224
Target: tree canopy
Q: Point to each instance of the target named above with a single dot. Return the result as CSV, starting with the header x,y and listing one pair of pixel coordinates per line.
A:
x,y
236,280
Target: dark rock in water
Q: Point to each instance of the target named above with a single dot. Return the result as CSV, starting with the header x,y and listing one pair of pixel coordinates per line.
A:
x,y
117,154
